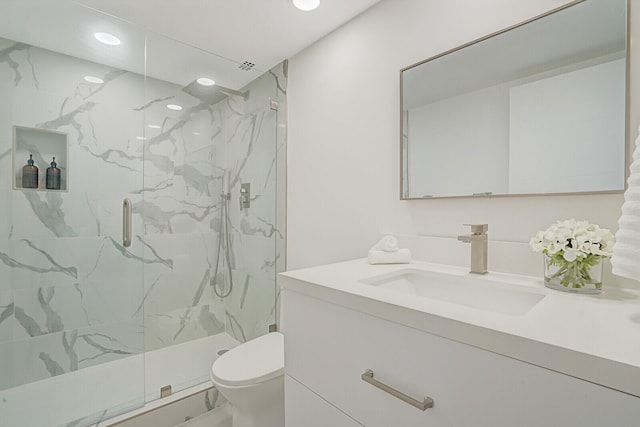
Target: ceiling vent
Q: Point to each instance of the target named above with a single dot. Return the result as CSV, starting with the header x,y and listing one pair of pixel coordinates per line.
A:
x,y
246,66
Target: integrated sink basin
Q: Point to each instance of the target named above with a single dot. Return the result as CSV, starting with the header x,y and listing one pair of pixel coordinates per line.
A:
x,y
465,290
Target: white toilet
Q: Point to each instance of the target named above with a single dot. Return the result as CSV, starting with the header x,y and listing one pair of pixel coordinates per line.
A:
x,y
251,377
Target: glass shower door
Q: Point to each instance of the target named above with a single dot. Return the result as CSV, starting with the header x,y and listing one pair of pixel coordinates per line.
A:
x,y
71,312
91,327
210,129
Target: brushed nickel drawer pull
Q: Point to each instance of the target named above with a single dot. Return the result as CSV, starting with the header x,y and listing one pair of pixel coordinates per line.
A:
x,y
423,406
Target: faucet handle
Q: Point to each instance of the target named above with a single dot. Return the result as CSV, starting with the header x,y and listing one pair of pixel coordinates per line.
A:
x,y
478,228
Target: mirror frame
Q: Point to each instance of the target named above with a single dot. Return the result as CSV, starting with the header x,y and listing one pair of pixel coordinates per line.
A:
x,y
627,145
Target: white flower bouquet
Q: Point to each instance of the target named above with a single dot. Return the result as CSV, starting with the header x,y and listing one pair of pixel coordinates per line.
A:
x,y
573,254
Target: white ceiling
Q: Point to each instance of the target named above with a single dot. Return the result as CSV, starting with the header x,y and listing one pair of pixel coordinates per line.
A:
x,y
264,32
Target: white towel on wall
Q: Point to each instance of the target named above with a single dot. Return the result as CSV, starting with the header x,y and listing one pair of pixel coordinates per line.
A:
x,y
625,261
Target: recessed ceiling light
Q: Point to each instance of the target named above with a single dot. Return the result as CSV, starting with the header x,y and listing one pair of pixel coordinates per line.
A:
x,y
154,126
205,81
107,38
196,133
174,107
94,79
306,5
140,138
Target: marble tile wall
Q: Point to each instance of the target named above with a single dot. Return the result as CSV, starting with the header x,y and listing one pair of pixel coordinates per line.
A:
x,y
64,305
256,152
71,296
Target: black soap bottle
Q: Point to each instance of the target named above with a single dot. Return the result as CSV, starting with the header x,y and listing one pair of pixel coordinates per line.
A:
x,y
30,174
53,176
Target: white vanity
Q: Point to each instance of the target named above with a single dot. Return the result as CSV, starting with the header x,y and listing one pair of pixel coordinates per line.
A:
x,y
548,359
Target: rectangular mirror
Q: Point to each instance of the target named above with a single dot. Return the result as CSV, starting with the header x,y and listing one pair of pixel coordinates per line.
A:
x,y
539,108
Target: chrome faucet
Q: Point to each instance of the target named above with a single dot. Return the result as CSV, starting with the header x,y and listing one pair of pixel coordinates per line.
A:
x,y
479,248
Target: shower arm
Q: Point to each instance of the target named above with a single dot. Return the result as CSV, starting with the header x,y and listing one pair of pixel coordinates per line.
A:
x,y
244,95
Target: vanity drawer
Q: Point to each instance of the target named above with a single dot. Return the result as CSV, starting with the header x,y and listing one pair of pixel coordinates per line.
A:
x,y
306,409
329,347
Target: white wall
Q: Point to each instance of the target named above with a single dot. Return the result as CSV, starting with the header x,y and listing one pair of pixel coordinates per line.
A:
x,y
344,130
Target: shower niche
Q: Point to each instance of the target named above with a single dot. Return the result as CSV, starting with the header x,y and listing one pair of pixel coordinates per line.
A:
x,y
45,150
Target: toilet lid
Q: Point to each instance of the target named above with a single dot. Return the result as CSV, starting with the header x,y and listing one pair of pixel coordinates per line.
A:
x,y
255,361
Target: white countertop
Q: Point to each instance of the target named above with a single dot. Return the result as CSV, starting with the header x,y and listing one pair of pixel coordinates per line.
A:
x,y
592,337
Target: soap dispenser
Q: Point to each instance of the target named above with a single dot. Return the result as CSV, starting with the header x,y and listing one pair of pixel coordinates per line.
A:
x,y
30,174
53,176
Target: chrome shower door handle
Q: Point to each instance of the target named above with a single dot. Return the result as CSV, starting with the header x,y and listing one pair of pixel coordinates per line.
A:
x,y
423,405
126,223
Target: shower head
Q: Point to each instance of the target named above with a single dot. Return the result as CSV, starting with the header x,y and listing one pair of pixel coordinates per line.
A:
x,y
211,94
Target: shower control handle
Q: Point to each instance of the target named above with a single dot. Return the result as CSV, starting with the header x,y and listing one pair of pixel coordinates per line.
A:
x,y
126,223
245,195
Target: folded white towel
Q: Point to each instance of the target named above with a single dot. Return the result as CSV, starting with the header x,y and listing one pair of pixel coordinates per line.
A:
x,y
401,256
387,244
625,261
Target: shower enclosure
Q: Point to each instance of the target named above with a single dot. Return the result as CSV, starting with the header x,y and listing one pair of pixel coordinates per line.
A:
x,y
90,327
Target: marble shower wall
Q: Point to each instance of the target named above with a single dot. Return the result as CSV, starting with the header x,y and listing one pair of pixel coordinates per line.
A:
x,y
69,291
256,152
71,296
184,163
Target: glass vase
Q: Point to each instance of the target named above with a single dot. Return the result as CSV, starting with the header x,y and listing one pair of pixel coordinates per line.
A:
x,y
582,276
